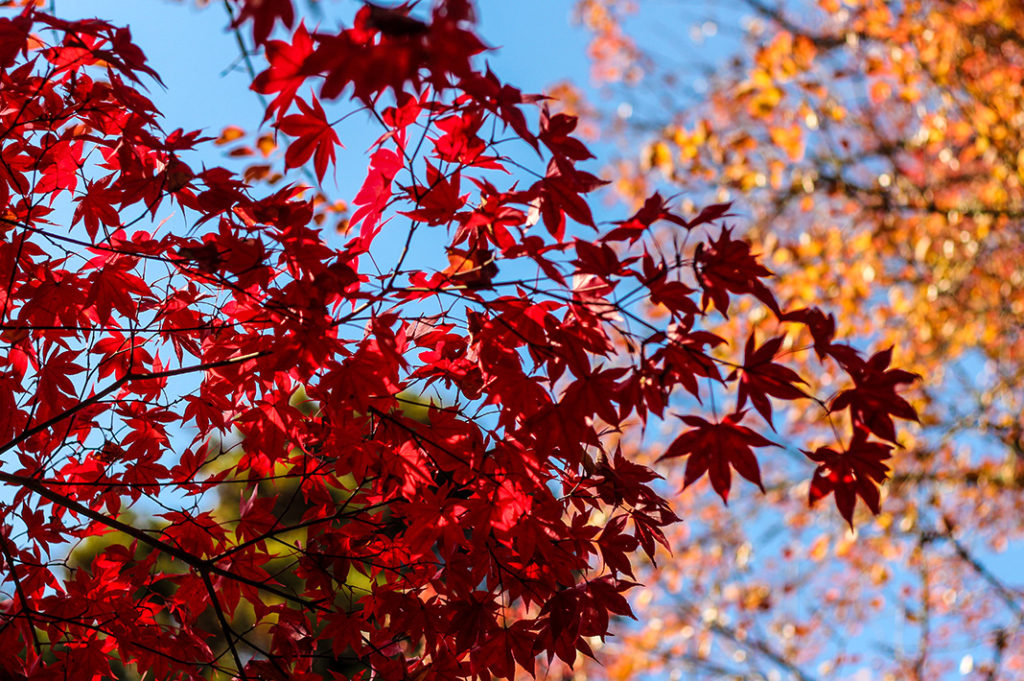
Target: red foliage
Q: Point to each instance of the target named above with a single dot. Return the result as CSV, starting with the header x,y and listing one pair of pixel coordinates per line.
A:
x,y
146,367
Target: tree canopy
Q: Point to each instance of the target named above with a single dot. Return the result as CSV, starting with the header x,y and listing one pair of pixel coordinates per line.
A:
x,y
236,444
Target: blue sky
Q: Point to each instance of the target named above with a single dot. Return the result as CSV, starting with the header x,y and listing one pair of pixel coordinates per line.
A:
x,y
191,50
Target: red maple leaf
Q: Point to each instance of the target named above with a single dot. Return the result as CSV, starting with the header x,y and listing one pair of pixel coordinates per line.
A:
x,y
715,447
460,142
655,208
856,472
673,294
437,202
761,377
375,193
619,479
264,14
709,214
95,206
873,400
555,134
616,546
559,193
726,265
823,333
256,516
13,36
284,75
314,138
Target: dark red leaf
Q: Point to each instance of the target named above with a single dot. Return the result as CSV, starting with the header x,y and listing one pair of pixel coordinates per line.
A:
x,y
714,448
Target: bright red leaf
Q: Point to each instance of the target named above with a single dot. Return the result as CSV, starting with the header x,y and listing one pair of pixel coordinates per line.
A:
x,y
314,137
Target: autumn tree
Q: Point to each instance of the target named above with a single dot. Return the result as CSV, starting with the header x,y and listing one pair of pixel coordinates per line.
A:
x,y
873,151
193,366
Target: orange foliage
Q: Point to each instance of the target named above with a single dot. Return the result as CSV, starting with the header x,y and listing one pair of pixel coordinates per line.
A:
x,y
875,153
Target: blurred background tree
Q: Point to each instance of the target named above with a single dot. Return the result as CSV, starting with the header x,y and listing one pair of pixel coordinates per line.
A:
x,y
875,153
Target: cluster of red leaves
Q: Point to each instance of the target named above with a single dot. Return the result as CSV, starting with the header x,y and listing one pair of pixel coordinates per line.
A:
x,y
496,529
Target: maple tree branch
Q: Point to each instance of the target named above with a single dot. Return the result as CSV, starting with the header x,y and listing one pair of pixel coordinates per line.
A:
x,y
83,244
764,649
272,534
229,633
243,50
155,375
821,41
999,644
925,615
67,413
917,204
755,645
134,644
418,437
14,272
19,590
117,329
969,477
200,564
1011,599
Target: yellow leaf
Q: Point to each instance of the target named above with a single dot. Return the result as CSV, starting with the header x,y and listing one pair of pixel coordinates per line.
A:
x,y
659,156
266,145
819,549
229,134
880,91
790,139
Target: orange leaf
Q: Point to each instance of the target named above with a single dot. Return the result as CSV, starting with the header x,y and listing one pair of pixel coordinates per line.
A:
x,y
229,134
